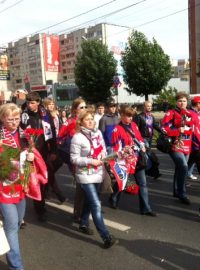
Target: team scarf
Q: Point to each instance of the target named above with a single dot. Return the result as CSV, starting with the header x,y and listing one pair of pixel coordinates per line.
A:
x,y
7,138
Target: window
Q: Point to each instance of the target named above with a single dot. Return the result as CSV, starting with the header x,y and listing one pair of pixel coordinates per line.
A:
x,y
19,81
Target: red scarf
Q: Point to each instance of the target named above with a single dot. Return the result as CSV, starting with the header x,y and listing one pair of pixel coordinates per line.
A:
x,y
7,138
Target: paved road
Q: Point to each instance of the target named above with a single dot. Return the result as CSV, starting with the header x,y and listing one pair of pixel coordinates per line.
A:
x,y
170,241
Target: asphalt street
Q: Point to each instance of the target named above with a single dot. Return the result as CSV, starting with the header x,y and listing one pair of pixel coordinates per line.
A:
x,y
169,241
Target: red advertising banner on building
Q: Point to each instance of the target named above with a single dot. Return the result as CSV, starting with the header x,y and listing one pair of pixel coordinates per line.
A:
x,y
51,53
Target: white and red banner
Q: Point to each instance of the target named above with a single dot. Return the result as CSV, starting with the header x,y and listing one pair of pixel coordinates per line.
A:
x,y
51,53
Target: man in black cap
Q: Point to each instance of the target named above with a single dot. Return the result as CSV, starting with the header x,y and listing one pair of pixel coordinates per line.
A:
x,y
108,122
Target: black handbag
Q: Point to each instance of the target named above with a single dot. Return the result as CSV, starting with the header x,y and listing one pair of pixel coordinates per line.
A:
x,y
142,161
164,143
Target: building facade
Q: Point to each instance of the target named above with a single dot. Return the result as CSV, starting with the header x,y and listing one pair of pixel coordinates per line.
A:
x,y
194,45
114,36
33,61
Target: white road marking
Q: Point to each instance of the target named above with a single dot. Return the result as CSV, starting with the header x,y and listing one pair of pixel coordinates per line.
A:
x,y
110,223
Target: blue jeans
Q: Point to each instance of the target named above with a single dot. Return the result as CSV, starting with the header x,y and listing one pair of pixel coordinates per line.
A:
x,y
180,174
140,178
190,169
148,142
13,215
93,205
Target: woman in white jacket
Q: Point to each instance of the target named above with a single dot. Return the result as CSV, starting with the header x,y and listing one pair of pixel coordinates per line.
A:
x,y
87,150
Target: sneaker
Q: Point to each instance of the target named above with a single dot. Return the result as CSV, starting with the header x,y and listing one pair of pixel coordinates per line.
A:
x,y
23,225
187,184
185,200
192,177
113,204
150,214
86,230
109,241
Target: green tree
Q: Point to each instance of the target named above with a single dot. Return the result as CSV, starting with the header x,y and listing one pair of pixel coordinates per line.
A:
x,y
94,71
166,98
147,68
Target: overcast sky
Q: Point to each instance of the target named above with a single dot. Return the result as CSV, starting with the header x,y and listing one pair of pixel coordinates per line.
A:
x,y
165,20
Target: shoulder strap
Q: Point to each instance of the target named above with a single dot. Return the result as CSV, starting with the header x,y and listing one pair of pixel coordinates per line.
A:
x,y
131,133
89,139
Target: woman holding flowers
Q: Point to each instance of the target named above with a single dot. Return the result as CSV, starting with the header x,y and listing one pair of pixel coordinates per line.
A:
x,y
12,195
178,124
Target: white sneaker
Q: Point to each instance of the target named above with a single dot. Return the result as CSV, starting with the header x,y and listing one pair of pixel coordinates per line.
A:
x,y
192,177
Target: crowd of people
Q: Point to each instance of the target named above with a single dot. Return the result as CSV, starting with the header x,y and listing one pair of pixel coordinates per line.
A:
x,y
83,140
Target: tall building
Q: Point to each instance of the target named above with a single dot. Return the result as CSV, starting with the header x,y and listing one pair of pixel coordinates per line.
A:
x,y
34,61
114,36
194,44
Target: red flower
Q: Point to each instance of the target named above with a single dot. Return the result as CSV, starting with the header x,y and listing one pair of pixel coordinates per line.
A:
x,y
33,132
133,189
31,135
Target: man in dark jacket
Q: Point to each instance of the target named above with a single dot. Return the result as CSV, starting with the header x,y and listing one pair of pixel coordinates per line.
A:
x,y
146,123
108,122
35,116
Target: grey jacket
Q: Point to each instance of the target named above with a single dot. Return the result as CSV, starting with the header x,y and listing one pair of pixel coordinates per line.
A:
x,y
80,155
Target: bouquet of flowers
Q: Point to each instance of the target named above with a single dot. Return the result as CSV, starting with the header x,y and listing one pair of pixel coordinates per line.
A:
x,y
27,167
32,135
132,187
9,164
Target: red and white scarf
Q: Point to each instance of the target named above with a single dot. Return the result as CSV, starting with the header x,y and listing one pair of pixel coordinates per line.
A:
x,y
7,138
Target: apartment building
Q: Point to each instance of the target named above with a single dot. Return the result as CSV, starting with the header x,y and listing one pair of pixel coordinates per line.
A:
x,y
33,61
194,44
70,45
114,36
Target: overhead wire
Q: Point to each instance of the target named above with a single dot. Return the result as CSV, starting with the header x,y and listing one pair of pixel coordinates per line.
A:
x,y
109,14
61,22
11,6
119,10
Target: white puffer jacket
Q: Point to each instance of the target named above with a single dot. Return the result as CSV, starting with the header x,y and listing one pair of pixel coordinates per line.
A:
x,y
80,154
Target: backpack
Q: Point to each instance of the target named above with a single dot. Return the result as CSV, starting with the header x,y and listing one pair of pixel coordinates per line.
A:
x,y
63,146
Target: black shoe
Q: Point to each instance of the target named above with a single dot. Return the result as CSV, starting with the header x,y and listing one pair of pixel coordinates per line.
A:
x,y
185,200
23,225
151,214
61,198
109,241
157,176
86,230
175,195
113,204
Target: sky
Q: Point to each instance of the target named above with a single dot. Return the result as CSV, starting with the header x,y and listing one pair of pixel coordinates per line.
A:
x,y
164,20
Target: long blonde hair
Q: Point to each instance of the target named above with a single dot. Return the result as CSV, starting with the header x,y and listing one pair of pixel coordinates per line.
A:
x,y
48,101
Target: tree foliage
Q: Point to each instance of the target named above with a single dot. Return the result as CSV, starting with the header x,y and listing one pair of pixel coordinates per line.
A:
x,y
147,68
166,98
94,71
